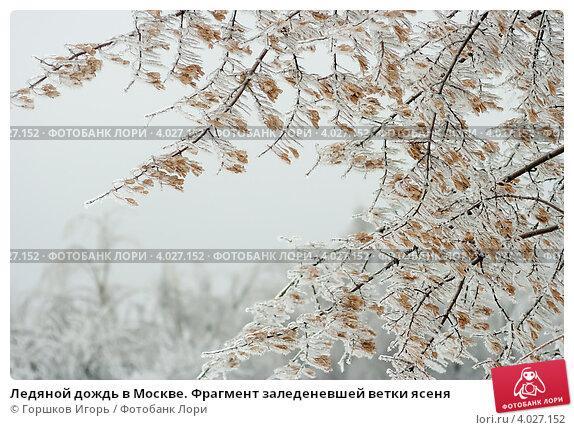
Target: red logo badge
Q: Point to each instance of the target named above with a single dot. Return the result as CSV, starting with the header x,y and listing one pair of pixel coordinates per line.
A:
x,y
529,386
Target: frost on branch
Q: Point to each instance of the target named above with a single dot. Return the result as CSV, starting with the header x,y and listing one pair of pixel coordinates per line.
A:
x,y
466,223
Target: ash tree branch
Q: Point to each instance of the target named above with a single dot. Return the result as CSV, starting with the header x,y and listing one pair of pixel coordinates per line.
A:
x,y
537,199
532,165
237,92
539,232
550,342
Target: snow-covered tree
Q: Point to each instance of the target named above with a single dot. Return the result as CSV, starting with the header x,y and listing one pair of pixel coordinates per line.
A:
x,y
466,245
